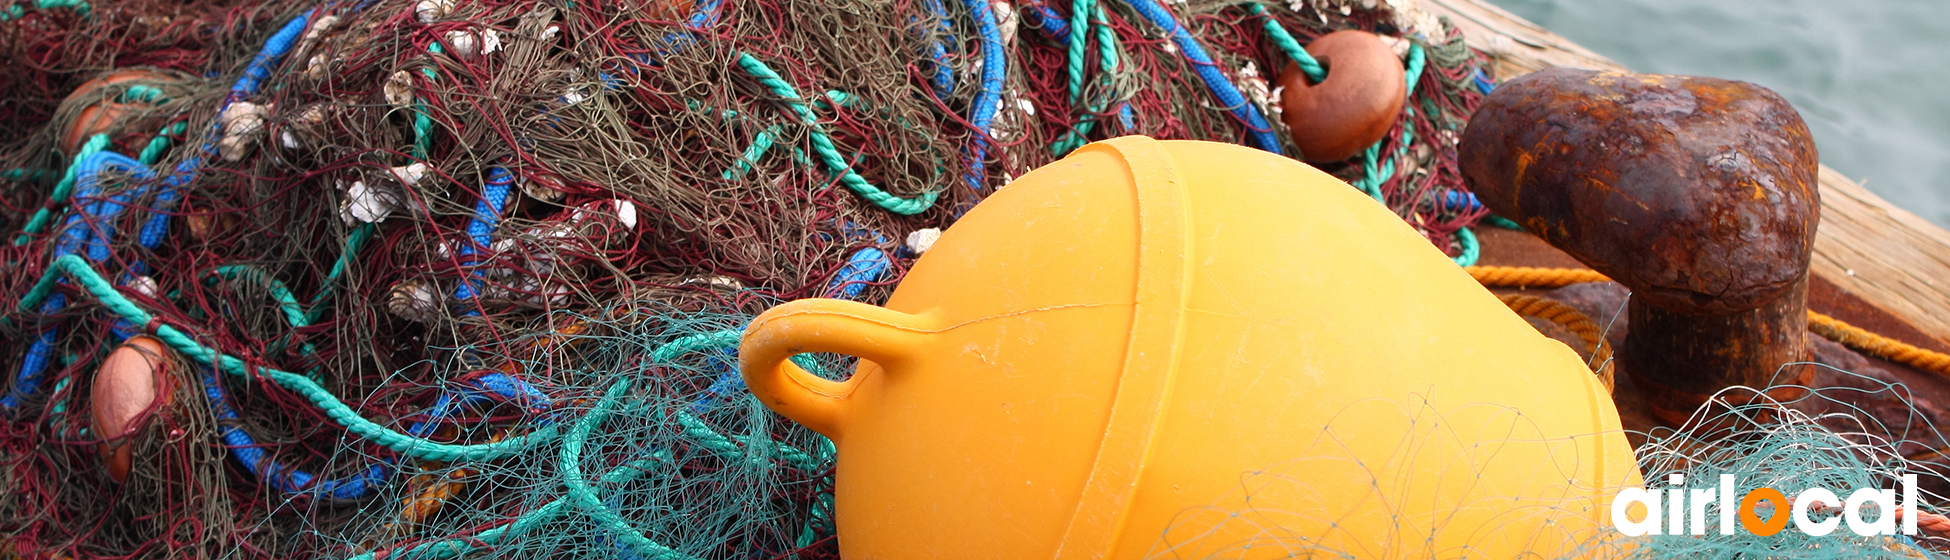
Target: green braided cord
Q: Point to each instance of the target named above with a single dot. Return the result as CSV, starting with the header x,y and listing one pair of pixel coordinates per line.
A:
x,y
823,144
160,144
454,548
143,94
80,8
1079,23
23,174
708,438
1416,58
422,120
15,11
293,313
77,269
765,139
583,496
1315,73
62,190
352,244
695,427
1107,61
702,341
1470,249
1502,222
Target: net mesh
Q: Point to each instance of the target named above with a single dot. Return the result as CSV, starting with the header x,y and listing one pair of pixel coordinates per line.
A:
x,y
478,221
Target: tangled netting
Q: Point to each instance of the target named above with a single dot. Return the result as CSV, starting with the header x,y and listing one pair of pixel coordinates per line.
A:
x,y
1823,438
436,278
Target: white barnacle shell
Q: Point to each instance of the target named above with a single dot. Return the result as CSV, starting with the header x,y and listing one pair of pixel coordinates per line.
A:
x,y
429,11
923,239
398,89
367,202
242,122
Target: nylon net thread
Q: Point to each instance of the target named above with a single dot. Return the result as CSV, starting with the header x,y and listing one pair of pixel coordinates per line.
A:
x,y
660,188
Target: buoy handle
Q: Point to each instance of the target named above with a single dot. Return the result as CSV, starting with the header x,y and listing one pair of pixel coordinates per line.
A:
x,y
876,334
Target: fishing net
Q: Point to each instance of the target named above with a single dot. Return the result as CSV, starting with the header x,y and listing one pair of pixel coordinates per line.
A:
x,y
447,278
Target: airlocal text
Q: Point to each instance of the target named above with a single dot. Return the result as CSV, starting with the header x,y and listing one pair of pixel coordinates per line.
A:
x,y
1682,511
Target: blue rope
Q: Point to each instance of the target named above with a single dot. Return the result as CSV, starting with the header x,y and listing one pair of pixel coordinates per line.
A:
x,y
1041,17
1208,71
358,485
480,229
943,80
77,231
866,266
994,69
77,236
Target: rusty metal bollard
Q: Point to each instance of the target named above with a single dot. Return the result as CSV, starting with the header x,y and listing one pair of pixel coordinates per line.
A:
x,y
1699,194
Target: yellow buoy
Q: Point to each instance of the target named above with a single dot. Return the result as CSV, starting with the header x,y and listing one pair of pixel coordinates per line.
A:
x,y
1190,349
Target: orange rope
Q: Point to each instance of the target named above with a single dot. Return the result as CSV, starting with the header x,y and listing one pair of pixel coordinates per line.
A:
x,y
1572,320
1527,277
1878,345
1829,327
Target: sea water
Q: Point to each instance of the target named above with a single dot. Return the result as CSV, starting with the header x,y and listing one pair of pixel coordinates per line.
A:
x,y
1869,76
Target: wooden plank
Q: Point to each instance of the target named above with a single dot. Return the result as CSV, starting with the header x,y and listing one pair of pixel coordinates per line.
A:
x,y
1885,255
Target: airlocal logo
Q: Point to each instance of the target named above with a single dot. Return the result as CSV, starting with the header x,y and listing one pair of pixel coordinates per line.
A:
x,y
1684,509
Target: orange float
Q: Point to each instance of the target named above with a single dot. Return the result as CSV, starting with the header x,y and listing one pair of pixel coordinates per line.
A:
x,y
1353,107
131,383
101,111
1194,350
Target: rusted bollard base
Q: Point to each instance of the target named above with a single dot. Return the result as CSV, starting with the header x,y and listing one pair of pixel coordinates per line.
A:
x,y
1681,360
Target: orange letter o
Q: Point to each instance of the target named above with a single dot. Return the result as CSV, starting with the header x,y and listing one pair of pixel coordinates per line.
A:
x,y
1751,519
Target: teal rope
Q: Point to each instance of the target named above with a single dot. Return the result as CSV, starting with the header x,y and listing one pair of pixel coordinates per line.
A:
x,y
765,139
352,245
1470,250
823,144
1502,222
15,11
584,497
160,143
78,270
704,341
1082,15
454,548
62,190
23,174
293,313
1315,73
580,492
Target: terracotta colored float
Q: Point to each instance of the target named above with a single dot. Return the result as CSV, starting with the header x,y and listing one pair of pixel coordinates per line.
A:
x,y
131,383
101,115
1351,109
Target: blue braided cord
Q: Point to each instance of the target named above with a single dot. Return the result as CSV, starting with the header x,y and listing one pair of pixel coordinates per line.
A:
x,y
358,485
994,69
943,80
480,229
76,236
28,381
285,478
104,211
254,75
1483,82
274,48
1208,71
479,391
1041,17
864,267
1460,201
